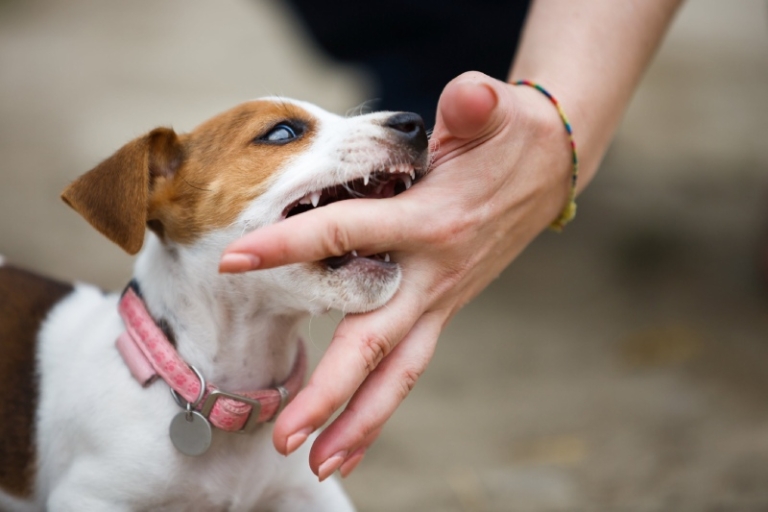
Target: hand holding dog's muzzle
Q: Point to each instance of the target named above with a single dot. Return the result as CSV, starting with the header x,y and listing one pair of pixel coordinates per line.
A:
x,y
499,176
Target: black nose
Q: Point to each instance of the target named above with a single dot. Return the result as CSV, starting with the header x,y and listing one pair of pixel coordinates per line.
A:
x,y
410,128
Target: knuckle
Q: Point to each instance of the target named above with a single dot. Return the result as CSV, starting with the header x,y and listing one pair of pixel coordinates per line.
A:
x,y
336,239
407,382
373,349
454,274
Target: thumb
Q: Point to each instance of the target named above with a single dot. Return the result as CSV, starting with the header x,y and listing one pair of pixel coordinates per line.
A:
x,y
468,107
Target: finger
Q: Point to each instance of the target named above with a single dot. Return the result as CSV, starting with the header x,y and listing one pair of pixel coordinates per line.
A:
x,y
466,104
359,344
381,393
334,230
354,459
472,107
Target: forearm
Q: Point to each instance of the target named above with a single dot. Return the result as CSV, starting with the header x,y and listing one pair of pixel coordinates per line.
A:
x,y
591,56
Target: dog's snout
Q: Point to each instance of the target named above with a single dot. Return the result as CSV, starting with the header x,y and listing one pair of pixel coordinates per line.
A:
x,y
409,128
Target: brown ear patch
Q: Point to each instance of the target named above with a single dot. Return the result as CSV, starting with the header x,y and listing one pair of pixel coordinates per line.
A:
x,y
184,187
224,170
25,300
113,196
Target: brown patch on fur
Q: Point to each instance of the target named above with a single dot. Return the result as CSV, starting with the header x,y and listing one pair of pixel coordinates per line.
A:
x,y
113,196
224,169
183,187
25,300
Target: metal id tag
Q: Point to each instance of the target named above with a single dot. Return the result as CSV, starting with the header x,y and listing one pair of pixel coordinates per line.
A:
x,y
190,433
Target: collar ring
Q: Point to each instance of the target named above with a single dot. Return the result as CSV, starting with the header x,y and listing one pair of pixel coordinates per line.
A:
x,y
184,404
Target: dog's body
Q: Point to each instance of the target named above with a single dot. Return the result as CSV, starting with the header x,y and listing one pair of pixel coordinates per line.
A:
x,y
84,434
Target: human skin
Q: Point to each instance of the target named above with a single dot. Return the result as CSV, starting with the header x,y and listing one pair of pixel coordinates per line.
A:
x,y
500,175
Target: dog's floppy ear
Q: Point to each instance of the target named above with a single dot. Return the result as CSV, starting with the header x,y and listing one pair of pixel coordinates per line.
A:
x,y
114,195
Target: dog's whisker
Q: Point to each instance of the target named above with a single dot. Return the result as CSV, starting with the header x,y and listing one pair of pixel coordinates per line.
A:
x,y
361,108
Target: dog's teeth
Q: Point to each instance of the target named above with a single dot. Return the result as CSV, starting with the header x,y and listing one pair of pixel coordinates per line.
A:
x,y
305,200
407,182
315,198
386,257
366,178
354,253
412,173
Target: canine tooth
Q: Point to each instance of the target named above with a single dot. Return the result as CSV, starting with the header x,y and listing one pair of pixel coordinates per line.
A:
x,y
315,198
412,173
366,178
304,200
354,253
386,257
407,182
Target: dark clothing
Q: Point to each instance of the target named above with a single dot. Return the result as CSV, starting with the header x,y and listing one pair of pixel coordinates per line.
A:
x,y
414,48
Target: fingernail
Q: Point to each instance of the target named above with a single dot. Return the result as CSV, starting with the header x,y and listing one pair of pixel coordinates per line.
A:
x,y
238,262
329,466
296,440
351,463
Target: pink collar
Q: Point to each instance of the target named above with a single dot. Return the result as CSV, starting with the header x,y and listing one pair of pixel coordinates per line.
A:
x,y
149,354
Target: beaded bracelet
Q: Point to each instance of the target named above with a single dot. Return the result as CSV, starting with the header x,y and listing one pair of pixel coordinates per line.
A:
x,y
569,212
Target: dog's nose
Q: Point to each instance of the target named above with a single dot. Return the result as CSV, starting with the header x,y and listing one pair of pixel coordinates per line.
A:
x,y
410,129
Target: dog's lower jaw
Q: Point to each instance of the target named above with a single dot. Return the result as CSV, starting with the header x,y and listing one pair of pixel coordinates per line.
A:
x,y
358,287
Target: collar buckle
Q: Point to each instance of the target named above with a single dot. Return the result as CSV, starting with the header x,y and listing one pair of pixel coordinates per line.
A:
x,y
250,424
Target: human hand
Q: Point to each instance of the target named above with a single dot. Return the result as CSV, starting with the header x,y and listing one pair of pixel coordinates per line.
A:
x,y
500,175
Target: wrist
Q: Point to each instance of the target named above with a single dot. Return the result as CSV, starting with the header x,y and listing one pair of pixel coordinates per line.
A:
x,y
549,129
591,135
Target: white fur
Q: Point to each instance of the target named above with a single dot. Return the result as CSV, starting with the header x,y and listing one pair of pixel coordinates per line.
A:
x,y
103,440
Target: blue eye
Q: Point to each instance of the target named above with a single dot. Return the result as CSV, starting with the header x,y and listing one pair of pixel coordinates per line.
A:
x,y
280,133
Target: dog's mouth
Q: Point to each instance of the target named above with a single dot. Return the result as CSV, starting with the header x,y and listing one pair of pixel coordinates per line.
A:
x,y
379,184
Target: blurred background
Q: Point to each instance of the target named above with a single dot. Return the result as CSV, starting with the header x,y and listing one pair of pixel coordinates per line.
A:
x,y
620,366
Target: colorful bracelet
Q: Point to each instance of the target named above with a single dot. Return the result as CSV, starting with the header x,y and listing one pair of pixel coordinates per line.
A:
x,y
569,212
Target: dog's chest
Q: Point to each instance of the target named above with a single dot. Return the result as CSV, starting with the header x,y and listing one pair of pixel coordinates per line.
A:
x,y
89,403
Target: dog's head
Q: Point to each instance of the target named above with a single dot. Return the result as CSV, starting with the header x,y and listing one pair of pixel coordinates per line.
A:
x,y
254,165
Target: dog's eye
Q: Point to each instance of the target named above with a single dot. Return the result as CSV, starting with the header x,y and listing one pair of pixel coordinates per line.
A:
x,y
281,133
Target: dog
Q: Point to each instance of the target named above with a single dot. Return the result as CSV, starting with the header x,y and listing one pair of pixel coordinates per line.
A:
x,y
160,398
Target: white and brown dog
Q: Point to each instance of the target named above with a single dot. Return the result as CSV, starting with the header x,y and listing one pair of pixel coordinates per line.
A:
x,y
88,424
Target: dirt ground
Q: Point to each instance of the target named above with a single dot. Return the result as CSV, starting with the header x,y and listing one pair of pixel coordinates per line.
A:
x,y
620,366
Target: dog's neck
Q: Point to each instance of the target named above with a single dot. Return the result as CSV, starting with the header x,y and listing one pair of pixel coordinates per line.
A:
x,y
225,326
